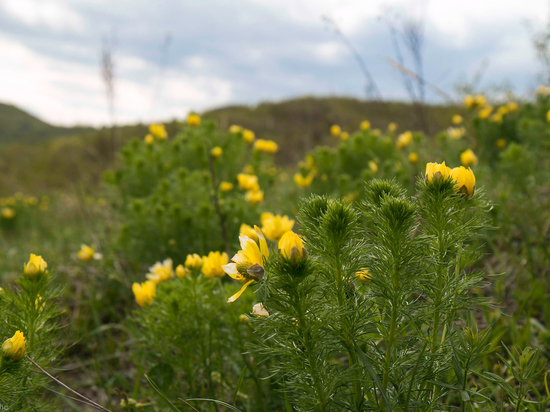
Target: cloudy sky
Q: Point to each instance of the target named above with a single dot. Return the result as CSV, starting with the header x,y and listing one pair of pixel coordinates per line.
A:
x,y
174,56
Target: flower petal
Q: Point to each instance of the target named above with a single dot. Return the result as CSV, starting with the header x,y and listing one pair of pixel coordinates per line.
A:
x,y
240,292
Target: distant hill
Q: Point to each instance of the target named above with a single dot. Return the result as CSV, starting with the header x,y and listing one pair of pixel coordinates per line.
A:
x,y
41,157
19,126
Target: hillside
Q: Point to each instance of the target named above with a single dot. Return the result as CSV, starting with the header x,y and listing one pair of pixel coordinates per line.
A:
x,y
19,126
76,158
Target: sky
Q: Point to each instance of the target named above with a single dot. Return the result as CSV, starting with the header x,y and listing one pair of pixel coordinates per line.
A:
x,y
172,57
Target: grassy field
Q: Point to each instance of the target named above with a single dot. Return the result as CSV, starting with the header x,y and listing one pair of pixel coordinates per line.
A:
x,y
411,287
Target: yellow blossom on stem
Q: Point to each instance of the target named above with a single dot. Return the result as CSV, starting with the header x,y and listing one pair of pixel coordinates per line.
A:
x,y
212,266
158,131
485,112
404,139
373,166
161,271
457,119
365,125
248,231
234,129
392,127
468,158
144,293
302,181
335,130
149,139
413,158
8,213
437,171
501,143
226,186
291,246
248,182
193,262
363,275
267,146
469,101
193,120
248,136
86,253
35,266
216,152
248,264
14,348
465,180
344,136
181,271
275,226
254,196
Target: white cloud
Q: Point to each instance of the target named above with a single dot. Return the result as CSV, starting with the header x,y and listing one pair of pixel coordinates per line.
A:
x,y
329,51
53,14
66,93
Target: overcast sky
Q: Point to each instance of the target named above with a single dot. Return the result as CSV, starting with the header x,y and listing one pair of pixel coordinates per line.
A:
x,y
245,51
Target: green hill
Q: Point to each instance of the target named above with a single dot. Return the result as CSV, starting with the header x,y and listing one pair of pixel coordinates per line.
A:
x,y
42,157
19,126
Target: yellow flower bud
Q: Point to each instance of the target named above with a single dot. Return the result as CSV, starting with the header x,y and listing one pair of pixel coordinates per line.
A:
x,y
469,101
181,271
193,262
8,213
413,158
234,129
291,246
254,197
145,293
373,166
365,125
14,348
344,136
335,130
275,226
193,120
86,253
465,180
302,181
35,266
248,136
212,266
216,152
158,131
457,119
404,139
149,139
468,158
363,275
392,127
226,186
500,143
485,112
437,171
244,319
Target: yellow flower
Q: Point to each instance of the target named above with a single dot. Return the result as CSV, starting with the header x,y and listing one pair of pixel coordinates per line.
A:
x,y
469,101
14,348
35,266
254,196
512,106
404,139
335,130
480,100
302,181
365,125
243,319
86,253
248,231
465,180
259,310
8,213
38,304
496,118
145,293
437,171
248,136
161,271
548,116
158,131
212,266
392,127
234,129
373,166
413,158
268,146
248,182
11,201
485,112
363,275
376,132
456,133
542,89
457,119
181,271
226,186
468,158
291,246
344,136
193,120
248,264
503,110
500,143
216,152
275,226
193,262
149,139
